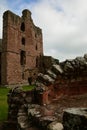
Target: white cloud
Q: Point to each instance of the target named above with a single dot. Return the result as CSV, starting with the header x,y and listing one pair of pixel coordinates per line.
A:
x,y
64,25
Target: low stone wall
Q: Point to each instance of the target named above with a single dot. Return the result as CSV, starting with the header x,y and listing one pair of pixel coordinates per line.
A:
x,y
18,101
25,113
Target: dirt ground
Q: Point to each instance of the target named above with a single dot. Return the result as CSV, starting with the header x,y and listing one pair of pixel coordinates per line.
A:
x,y
68,102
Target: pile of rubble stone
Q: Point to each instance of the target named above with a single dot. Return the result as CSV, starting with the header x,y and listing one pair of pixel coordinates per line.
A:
x,y
26,114
75,119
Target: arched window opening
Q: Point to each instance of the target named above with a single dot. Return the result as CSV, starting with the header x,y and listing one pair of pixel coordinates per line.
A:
x,y
23,27
23,41
22,57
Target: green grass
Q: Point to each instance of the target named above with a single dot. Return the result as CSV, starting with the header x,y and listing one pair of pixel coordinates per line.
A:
x,y
27,87
3,104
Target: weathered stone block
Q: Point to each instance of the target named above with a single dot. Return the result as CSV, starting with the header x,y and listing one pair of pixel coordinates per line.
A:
x,y
75,119
55,126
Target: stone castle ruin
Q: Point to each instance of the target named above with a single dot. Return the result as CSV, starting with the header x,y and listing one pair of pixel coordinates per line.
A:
x,y
21,48
22,61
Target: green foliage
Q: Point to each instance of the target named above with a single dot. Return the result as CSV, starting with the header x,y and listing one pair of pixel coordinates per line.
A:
x,y
3,103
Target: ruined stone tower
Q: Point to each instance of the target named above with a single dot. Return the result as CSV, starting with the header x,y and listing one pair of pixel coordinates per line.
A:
x,y
22,48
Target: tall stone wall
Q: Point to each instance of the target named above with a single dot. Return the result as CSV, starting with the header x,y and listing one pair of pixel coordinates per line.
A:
x,y
21,49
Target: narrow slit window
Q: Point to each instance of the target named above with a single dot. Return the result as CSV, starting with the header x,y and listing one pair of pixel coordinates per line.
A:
x,y
23,41
36,46
22,57
37,62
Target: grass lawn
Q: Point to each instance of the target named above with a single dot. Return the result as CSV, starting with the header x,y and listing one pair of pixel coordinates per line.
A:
x,y
3,101
3,104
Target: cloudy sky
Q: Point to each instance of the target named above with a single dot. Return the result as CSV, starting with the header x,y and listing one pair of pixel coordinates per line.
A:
x,y
63,22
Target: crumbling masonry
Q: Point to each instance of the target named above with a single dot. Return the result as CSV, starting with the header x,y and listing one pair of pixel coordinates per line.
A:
x,y
21,49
